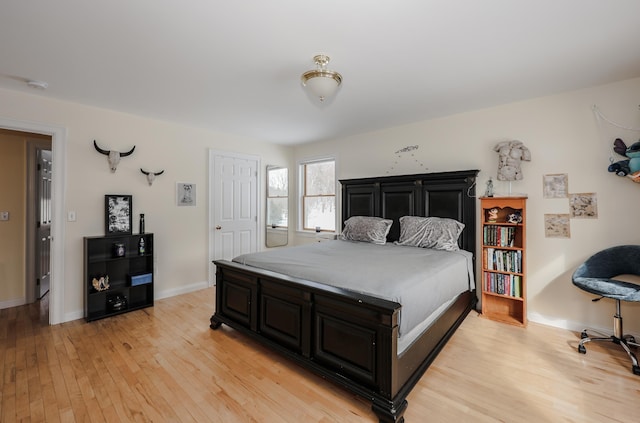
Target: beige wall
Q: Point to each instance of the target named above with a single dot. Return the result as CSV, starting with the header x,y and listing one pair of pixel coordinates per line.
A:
x,y
13,153
561,131
564,136
181,242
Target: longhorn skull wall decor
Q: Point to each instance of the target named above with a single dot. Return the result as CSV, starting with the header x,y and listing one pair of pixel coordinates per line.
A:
x,y
151,176
113,156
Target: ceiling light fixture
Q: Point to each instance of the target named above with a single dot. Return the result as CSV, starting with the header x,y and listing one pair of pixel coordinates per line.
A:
x,y
41,85
321,83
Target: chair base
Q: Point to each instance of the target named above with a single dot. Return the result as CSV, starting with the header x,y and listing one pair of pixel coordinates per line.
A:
x,y
625,341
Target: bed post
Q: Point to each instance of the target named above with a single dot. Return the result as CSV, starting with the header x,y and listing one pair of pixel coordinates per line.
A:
x,y
392,414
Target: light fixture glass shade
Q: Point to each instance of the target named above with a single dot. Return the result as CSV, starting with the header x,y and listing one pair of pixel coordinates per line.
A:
x,y
321,83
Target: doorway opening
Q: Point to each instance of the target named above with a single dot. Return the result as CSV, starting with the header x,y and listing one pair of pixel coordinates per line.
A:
x,y
26,219
57,137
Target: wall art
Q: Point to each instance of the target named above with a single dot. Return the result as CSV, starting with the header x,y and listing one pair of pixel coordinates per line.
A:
x,y
555,185
117,210
557,226
185,194
583,205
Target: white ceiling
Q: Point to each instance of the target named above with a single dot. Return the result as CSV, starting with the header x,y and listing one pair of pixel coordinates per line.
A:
x,y
234,66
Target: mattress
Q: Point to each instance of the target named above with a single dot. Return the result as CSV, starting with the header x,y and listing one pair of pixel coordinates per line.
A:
x,y
424,281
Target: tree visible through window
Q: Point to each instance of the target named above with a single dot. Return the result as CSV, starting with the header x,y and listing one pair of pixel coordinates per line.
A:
x,y
319,196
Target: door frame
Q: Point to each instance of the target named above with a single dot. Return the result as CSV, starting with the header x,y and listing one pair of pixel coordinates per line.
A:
x,y
212,195
58,150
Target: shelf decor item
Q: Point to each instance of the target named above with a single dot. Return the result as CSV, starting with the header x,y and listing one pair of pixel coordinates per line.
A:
x,y
117,210
116,302
119,249
504,288
141,249
101,284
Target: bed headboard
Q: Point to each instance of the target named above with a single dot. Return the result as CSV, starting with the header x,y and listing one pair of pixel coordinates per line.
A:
x,y
441,194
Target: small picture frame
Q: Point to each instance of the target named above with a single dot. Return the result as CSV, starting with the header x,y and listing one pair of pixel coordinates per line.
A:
x,y
185,194
583,205
118,214
557,226
555,185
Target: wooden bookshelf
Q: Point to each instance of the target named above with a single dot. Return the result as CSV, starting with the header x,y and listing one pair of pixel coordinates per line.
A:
x,y
503,280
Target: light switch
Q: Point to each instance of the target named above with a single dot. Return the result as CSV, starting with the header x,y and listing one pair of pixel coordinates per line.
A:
x,y
4,215
71,216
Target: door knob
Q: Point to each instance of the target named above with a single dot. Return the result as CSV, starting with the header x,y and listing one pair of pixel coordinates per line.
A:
x,y
218,228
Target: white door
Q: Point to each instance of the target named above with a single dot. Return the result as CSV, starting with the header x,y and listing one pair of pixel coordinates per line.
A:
x,y
233,206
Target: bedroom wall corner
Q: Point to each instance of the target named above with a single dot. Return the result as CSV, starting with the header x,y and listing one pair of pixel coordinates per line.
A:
x,y
564,136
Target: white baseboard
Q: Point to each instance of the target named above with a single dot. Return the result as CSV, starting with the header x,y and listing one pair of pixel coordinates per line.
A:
x,y
13,303
79,314
74,315
181,290
570,325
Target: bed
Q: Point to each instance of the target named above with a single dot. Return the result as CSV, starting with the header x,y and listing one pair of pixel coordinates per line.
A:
x,y
349,334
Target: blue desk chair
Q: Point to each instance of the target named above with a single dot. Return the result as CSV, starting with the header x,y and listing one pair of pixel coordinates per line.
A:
x,y
597,276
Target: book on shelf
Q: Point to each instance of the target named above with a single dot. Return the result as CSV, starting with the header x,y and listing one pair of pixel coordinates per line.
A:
x,y
499,236
503,260
503,284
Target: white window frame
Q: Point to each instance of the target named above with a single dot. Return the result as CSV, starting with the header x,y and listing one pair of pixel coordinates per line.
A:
x,y
302,191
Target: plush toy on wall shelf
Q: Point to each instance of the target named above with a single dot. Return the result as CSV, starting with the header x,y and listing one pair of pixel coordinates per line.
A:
x,y
629,167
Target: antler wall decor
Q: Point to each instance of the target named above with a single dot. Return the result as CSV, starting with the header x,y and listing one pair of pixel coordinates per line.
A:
x,y
151,176
113,156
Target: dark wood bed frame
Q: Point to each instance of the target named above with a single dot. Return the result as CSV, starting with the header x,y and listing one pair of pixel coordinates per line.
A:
x,y
347,337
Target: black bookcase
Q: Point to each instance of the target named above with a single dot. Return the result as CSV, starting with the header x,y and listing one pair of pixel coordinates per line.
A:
x,y
130,273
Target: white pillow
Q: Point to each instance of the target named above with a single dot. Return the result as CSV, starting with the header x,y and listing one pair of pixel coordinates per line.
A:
x,y
430,232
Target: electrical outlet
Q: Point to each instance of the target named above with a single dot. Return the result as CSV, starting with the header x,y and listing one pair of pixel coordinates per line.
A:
x,y
4,215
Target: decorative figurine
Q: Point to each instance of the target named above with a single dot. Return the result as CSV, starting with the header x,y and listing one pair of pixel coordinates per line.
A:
x,y
493,215
489,191
101,284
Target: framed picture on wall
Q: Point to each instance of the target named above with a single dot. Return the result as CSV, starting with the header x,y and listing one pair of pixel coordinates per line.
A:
x,y
557,226
555,185
117,211
583,205
185,194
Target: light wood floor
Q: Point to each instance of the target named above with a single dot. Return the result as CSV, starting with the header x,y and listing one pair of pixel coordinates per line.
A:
x,y
165,364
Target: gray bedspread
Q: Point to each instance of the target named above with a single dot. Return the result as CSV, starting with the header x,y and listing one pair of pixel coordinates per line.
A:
x,y
420,279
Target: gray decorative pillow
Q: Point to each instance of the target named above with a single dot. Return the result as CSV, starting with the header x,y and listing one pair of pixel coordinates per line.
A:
x,y
366,229
430,232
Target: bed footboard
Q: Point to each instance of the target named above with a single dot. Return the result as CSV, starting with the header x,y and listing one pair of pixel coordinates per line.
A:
x,y
346,337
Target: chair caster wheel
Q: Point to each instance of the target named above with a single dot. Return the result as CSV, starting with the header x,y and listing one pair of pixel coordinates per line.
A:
x,y
636,370
584,334
582,349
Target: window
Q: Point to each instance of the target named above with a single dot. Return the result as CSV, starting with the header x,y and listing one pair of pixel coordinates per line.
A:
x,y
319,195
277,197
